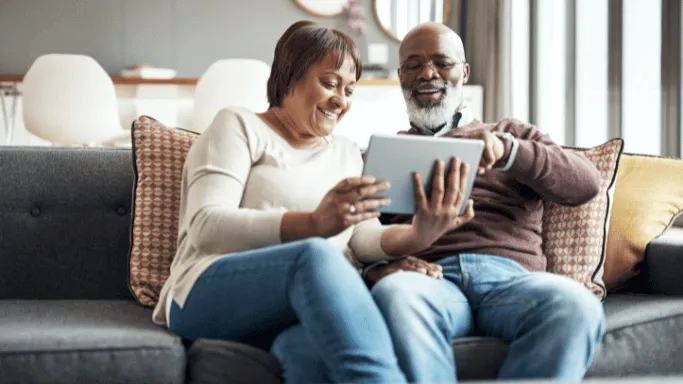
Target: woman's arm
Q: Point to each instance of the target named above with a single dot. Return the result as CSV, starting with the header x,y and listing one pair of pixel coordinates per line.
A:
x,y
216,170
297,226
371,241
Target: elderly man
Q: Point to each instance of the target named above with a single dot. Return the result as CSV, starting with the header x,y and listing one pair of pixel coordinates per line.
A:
x,y
488,276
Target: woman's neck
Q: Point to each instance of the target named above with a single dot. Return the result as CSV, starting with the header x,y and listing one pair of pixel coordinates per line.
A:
x,y
290,129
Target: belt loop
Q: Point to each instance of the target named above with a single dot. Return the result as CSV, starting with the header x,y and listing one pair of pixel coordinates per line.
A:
x,y
462,261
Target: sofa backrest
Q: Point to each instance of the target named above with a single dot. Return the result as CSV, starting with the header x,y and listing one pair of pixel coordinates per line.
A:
x,y
64,222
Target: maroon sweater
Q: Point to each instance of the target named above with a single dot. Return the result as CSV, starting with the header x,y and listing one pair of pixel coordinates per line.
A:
x,y
508,205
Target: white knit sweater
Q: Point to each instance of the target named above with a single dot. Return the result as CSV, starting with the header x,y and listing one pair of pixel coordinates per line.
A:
x,y
239,178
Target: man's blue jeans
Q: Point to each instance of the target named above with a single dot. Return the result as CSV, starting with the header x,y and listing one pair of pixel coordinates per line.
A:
x,y
551,323
266,290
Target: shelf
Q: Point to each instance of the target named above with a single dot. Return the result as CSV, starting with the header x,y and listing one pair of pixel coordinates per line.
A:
x,y
184,81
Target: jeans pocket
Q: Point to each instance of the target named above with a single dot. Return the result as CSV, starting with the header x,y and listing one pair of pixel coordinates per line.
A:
x,y
493,270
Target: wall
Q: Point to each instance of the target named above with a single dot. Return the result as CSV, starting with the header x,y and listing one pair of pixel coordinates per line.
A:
x,y
187,35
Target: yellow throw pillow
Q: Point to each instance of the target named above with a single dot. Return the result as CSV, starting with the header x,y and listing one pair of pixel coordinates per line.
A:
x,y
648,197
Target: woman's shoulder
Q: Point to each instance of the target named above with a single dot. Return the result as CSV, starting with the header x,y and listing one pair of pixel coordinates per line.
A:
x,y
234,116
236,121
239,113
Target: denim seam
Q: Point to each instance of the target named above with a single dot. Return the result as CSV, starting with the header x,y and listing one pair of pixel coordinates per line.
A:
x,y
290,271
488,341
463,273
530,303
241,269
499,303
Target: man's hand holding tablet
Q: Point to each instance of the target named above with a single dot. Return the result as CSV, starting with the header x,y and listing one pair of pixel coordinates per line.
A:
x,y
441,212
396,159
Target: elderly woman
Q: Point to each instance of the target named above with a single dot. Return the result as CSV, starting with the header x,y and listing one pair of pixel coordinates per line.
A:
x,y
271,203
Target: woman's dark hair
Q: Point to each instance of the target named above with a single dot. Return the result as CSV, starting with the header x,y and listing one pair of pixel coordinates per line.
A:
x,y
303,44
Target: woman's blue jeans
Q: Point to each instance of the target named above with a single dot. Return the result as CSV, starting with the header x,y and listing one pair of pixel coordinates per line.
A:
x,y
266,290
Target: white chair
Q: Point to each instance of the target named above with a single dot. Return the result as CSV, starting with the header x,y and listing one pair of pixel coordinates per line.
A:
x,y
230,82
71,100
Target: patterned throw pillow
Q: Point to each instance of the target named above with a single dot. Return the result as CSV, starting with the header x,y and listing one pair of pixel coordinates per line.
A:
x,y
575,238
158,158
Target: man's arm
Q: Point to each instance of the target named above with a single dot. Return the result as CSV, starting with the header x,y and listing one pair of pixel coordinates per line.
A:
x,y
558,175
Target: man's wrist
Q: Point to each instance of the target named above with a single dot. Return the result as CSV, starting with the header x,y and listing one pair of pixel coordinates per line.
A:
x,y
399,240
416,243
510,145
367,268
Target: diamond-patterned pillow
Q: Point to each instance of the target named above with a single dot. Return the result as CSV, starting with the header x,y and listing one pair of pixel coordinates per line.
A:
x,y
575,238
159,154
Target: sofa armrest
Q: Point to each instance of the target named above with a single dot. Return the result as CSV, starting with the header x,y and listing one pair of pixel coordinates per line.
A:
x,y
662,271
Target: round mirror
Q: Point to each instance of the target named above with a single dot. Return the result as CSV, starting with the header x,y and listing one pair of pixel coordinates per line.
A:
x,y
323,7
397,17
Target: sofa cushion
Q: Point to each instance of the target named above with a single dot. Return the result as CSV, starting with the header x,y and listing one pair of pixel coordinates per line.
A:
x,y
218,361
661,271
574,238
478,357
159,157
84,341
64,222
642,338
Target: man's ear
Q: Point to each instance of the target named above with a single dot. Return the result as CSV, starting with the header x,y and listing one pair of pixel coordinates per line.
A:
x,y
465,73
398,72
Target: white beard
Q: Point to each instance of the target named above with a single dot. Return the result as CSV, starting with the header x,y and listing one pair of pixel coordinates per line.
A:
x,y
433,116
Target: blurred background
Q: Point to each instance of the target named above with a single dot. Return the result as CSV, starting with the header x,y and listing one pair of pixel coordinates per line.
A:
x,y
583,71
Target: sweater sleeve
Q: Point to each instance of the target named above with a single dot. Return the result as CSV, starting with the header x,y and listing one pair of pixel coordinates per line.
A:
x,y
558,175
216,169
366,241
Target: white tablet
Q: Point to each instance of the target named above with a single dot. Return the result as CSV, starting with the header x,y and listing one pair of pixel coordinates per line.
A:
x,y
394,158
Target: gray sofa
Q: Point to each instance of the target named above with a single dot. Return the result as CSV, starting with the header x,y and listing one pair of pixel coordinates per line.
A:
x,y
67,315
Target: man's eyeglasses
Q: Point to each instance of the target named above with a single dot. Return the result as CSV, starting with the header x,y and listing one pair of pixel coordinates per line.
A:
x,y
416,66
